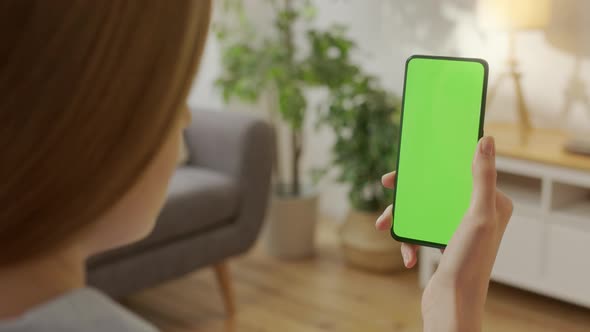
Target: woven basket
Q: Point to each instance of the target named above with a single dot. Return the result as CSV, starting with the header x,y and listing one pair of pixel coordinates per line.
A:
x,y
366,248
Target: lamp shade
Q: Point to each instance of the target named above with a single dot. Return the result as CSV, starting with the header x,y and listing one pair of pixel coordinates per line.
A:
x,y
514,14
570,27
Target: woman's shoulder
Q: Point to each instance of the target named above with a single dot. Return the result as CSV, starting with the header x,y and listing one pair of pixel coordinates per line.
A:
x,y
84,310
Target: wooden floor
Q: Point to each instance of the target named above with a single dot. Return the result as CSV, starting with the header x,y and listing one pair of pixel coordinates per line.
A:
x,y
322,294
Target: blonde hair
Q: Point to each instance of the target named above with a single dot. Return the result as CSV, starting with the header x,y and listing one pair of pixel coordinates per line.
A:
x,y
88,92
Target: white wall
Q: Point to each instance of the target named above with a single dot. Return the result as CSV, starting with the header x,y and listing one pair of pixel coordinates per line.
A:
x,y
388,31
203,92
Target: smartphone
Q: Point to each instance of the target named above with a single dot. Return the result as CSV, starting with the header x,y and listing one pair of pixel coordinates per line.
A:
x,y
443,109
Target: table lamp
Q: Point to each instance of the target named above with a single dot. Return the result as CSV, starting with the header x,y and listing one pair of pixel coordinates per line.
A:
x,y
568,32
514,16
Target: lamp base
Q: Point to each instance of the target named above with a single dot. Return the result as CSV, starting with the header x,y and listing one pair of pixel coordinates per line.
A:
x,y
514,75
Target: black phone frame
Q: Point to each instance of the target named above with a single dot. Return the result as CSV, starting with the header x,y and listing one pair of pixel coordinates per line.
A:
x,y
401,126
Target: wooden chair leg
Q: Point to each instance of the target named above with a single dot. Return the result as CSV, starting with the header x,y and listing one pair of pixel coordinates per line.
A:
x,y
224,279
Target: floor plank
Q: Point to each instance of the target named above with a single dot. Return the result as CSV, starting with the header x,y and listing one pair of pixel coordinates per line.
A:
x,y
322,294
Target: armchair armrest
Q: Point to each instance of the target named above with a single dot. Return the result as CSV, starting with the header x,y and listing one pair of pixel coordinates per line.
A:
x,y
242,147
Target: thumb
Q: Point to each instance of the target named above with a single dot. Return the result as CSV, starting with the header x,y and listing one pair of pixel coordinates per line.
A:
x,y
483,199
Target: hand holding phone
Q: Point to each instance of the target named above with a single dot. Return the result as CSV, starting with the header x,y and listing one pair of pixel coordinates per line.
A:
x,y
455,296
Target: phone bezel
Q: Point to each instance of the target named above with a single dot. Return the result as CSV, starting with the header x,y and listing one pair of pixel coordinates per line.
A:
x,y
480,134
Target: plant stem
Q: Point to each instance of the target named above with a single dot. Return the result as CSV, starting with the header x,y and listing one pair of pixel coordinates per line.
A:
x,y
272,104
296,150
296,145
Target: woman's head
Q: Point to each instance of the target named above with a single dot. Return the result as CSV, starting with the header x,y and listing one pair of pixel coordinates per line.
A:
x,y
92,97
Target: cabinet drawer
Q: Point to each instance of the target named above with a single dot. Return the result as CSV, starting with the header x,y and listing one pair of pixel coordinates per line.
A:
x,y
568,265
520,253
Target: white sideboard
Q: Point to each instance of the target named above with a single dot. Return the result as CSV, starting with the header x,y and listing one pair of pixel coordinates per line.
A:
x,y
546,247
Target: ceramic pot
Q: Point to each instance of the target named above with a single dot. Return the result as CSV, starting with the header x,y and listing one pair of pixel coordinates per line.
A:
x,y
290,229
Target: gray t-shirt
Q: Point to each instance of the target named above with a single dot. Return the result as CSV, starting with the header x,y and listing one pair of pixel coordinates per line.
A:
x,y
82,310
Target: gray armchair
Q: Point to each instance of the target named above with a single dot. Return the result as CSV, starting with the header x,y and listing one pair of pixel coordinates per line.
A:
x,y
214,210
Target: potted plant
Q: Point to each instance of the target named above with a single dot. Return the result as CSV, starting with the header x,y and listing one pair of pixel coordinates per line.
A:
x,y
364,119
257,65
362,115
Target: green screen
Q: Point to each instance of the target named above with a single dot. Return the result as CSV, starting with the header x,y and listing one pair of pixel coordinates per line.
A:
x,y
441,118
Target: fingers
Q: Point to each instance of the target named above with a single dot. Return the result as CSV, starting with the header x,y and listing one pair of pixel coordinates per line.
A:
x,y
409,251
383,223
388,180
409,254
484,177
